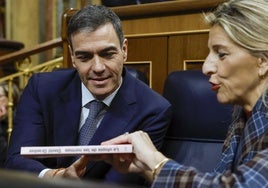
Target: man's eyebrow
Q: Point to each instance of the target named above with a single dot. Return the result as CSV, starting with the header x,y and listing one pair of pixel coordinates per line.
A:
x,y
80,53
110,48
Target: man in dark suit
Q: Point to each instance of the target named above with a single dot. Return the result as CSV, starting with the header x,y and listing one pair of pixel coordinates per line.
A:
x,y
52,108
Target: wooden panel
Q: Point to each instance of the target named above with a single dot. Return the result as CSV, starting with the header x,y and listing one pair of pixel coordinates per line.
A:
x,y
186,47
171,23
169,16
151,49
164,8
67,62
193,64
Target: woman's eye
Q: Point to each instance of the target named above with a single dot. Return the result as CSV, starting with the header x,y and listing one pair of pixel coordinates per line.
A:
x,y
221,55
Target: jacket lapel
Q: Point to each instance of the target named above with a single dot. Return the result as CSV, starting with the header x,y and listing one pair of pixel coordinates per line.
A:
x,y
117,118
120,113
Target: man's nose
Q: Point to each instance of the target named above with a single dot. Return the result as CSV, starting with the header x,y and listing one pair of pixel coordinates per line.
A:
x,y
98,64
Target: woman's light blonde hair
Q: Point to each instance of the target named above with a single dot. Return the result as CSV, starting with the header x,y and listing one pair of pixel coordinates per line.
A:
x,y
246,23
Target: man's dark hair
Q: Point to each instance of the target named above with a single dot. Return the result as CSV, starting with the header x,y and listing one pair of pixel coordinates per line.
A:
x,y
91,17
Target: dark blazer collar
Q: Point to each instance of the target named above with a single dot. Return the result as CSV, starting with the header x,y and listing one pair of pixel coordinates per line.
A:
x,y
120,112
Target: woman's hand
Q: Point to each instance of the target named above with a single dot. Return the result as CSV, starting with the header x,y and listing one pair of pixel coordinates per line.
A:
x,y
145,157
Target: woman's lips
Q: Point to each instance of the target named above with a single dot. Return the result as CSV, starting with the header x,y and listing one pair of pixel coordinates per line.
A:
x,y
215,87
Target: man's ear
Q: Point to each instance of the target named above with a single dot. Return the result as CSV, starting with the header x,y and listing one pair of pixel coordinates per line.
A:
x,y
124,49
72,55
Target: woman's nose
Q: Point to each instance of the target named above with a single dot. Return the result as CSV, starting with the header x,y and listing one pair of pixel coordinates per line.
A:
x,y
209,66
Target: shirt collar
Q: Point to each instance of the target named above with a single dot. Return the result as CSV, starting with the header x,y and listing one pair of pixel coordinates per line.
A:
x,y
87,96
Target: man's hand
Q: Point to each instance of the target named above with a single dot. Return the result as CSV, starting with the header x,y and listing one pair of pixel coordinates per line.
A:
x,y
75,171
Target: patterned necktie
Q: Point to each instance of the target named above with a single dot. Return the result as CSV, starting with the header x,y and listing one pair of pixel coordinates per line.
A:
x,y
89,127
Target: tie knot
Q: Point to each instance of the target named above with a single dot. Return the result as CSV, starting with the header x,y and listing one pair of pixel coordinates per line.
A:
x,y
95,107
96,112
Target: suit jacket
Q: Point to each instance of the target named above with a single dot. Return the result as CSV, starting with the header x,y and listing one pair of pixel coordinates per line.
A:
x,y
48,114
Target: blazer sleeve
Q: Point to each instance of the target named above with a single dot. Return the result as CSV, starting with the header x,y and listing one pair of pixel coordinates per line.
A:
x,y
28,130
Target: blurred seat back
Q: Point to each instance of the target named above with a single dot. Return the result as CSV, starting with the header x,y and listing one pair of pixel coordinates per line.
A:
x,y
138,74
200,122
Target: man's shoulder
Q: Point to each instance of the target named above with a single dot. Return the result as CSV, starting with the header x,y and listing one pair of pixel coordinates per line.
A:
x,y
61,73
61,76
52,82
142,92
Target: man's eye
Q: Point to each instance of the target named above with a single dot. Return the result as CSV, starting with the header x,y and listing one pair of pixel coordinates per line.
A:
x,y
108,54
83,57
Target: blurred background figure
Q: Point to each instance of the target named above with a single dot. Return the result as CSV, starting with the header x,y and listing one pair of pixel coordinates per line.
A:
x,y
4,116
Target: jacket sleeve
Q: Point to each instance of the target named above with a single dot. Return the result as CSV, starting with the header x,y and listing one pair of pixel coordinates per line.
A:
x,y
28,130
250,174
